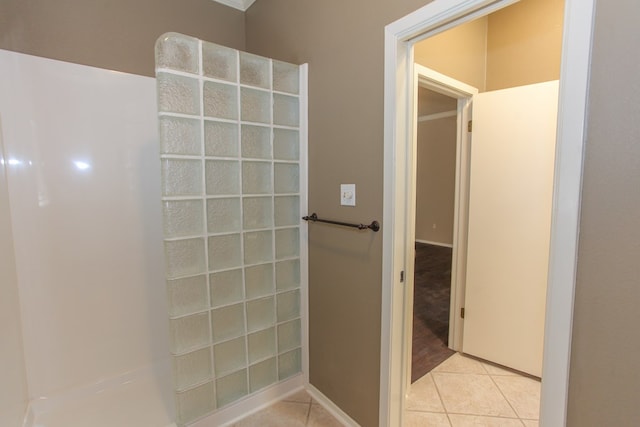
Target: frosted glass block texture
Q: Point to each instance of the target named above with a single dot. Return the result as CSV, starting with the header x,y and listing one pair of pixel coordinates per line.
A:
x,y
288,274
287,243
255,105
229,356
226,287
220,139
192,368
189,332
262,374
289,364
258,280
254,70
187,295
286,144
224,252
219,62
193,404
288,335
180,136
223,215
178,94
177,52
258,247
184,257
286,110
227,322
220,100
262,344
260,314
286,178
231,388
182,218
287,210
288,305
256,142
181,177
256,177
223,177
257,212
286,77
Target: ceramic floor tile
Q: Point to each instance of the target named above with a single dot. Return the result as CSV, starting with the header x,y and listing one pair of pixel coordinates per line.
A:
x,y
471,394
458,420
498,370
425,419
301,397
320,417
531,423
281,414
460,364
523,394
423,396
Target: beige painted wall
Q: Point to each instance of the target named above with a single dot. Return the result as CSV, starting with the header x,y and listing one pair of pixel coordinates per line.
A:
x,y
117,34
604,385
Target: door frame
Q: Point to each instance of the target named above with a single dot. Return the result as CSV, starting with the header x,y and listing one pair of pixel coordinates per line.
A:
x,y
436,17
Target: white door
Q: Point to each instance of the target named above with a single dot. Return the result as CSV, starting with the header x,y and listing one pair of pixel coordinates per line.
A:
x,y
511,184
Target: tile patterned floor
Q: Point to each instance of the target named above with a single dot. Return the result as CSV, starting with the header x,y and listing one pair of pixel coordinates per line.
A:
x,y
465,392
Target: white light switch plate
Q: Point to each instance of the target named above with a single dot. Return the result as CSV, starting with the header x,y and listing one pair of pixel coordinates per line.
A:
x,y
348,194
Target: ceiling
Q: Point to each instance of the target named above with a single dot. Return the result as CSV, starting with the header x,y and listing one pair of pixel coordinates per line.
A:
x,y
237,4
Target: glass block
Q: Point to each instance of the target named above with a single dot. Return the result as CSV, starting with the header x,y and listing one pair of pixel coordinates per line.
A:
x,y
262,344
257,212
289,364
229,356
258,247
184,257
231,388
286,144
189,332
219,62
287,210
286,77
260,314
220,100
220,139
254,70
182,218
256,142
224,252
187,295
178,94
288,274
223,215
193,404
288,304
181,177
223,177
177,52
226,287
192,368
255,105
287,243
286,178
288,335
286,110
256,178
227,322
180,136
263,374
258,280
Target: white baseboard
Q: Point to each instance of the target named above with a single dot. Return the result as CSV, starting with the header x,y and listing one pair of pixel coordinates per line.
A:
x,y
428,242
331,407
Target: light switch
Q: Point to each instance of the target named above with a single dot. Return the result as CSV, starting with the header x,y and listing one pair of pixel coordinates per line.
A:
x,y
348,194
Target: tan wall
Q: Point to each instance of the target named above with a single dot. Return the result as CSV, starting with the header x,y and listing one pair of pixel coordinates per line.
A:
x,y
436,165
117,34
345,146
604,385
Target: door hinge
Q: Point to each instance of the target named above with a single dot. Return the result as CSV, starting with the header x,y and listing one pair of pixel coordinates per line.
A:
x,y
470,126
402,276
462,312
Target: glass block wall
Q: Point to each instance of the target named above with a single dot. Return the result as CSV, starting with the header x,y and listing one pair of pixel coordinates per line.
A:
x,y
230,154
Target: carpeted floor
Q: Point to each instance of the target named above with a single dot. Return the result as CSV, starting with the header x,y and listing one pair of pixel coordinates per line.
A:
x,y
432,290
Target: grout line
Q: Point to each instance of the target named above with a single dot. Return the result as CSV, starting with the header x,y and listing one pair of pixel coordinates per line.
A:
x,y
505,397
438,392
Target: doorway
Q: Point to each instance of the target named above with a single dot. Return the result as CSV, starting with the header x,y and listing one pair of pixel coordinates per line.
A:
x,y
429,20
